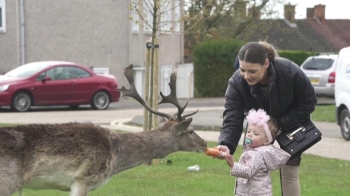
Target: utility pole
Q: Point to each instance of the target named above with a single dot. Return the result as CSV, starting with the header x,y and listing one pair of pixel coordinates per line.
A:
x,y
146,113
155,82
151,79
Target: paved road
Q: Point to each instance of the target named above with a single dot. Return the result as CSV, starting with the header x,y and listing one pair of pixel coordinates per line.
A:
x,y
209,116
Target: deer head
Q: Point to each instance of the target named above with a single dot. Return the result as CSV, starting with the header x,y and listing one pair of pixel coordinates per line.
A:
x,y
177,123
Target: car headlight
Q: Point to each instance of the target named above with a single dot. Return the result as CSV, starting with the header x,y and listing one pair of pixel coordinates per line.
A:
x,y
4,87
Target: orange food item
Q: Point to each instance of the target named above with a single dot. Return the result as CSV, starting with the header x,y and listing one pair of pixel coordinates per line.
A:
x,y
212,152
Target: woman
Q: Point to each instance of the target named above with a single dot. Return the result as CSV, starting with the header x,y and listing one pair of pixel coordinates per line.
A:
x,y
276,85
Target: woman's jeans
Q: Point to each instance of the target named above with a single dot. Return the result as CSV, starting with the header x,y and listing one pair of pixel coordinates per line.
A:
x,y
290,177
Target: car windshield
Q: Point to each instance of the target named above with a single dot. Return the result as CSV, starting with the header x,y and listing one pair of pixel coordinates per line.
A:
x,y
318,64
26,70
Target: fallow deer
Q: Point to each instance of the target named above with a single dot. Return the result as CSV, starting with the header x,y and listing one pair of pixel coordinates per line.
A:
x,y
80,157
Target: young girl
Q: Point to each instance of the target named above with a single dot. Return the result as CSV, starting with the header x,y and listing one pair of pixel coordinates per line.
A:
x,y
259,156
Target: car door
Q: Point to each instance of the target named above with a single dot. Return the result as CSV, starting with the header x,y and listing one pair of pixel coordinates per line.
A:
x,y
85,85
59,89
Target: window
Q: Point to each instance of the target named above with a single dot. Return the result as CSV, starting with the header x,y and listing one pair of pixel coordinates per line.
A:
x,y
55,73
63,73
318,64
148,7
135,16
67,73
177,16
41,76
79,73
2,16
165,9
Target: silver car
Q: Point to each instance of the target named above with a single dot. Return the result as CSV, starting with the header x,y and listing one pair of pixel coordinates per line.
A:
x,y
320,70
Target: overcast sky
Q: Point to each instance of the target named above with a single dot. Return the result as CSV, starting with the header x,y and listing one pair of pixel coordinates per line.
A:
x,y
335,9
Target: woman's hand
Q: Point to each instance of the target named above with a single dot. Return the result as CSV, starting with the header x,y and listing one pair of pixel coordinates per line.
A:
x,y
224,151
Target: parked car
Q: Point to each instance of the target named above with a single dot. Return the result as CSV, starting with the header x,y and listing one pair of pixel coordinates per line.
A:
x,y
321,71
56,83
342,92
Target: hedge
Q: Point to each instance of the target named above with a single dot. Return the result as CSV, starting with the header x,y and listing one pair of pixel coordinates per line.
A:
x,y
213,65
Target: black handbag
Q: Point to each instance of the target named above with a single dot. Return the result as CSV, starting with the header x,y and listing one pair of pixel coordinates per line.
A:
x,y
298,140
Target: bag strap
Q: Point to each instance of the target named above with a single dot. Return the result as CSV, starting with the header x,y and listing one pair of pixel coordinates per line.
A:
x,y
246,128
281,182
245,133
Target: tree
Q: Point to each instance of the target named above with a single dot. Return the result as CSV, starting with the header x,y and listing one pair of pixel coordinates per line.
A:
x,y
147,14
155,16
226,18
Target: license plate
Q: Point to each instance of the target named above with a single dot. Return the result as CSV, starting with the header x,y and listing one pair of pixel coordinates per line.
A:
x,y
315,81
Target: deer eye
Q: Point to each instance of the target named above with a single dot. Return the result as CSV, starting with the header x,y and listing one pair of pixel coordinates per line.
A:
x,y
191,132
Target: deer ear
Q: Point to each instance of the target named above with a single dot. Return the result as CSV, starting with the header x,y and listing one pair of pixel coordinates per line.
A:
x,y
182,126
161,120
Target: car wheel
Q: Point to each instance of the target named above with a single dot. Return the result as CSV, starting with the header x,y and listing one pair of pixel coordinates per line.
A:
x,y
100,100
21,102
345,124
74,107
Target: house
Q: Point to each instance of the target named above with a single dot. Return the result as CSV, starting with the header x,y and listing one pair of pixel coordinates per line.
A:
x,y
315,33
97,34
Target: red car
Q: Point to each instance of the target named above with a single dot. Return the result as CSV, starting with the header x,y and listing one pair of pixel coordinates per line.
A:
x,y
56,83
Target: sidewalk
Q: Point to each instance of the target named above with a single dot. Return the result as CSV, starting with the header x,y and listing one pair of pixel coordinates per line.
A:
x,y
207,123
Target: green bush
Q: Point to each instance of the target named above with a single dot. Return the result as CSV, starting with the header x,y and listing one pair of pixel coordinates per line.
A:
x,y
213,66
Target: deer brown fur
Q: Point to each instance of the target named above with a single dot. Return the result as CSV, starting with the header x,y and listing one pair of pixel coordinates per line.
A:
x,y
80,157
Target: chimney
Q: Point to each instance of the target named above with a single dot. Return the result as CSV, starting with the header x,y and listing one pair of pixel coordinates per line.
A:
x,y
319,12
241,8
289,12
309,13
254,12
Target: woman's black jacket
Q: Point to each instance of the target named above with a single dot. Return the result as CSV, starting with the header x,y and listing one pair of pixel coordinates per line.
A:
x,y
291,100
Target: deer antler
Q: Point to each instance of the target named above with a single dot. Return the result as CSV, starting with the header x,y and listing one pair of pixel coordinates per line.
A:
x,y
171,98
132,92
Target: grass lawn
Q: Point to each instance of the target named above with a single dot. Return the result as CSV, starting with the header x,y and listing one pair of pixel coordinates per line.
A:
x,y
324,113
318,176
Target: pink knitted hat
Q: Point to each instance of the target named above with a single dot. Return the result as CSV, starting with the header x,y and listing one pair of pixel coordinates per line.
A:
x,y
260,118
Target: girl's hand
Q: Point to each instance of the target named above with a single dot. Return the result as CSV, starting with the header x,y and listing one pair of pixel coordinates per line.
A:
x,y
229,160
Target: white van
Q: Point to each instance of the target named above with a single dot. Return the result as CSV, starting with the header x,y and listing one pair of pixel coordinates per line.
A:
x,y
342,92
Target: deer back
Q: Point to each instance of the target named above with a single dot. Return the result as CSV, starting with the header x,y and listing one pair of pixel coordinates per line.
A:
x,y
42,148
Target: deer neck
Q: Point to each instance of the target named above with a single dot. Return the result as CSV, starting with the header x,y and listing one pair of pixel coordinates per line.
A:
x,y
133,149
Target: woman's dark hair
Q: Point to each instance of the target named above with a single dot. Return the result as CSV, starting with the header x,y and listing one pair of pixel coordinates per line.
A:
x,y
257,52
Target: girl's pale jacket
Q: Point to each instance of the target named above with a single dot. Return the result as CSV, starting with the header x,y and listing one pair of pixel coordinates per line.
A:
x,y
253,170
